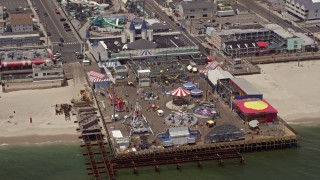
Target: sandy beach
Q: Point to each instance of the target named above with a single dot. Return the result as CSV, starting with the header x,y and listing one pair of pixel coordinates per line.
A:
x,y
17,108
294,91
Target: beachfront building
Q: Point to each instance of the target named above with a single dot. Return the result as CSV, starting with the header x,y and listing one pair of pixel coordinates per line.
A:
x,y
143,49
98,80
48,72
196,9
233,89
259,110
264,39
304,9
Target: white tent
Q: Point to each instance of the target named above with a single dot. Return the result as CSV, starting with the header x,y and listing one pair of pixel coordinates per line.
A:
x,y
215,75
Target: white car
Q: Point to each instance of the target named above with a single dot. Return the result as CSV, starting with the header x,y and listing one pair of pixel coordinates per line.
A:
x,y
119,77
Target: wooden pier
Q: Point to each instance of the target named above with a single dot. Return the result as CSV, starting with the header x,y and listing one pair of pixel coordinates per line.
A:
x,y
99,162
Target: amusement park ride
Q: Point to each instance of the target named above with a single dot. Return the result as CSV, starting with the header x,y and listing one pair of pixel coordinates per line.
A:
x,y
117,102
138,122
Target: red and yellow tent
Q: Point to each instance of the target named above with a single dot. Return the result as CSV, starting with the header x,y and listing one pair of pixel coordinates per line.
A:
x,y
260,110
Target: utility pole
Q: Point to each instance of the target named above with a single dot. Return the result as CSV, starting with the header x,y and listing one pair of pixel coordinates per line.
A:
x,y
190,26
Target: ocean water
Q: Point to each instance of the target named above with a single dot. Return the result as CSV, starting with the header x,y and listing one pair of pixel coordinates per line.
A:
x,y
55,161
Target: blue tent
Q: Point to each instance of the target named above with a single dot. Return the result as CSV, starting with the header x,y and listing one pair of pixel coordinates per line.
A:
x,y
196,92
189,85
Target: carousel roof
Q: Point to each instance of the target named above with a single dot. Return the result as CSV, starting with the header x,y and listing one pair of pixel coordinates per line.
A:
x,y
180,92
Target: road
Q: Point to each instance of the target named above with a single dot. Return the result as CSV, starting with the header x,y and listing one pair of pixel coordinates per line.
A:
x,y
258,9
53,25
152,6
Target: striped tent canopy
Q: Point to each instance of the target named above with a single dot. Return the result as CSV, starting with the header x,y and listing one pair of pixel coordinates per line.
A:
x,y
101,80
96,74
180,92
204,71
97,77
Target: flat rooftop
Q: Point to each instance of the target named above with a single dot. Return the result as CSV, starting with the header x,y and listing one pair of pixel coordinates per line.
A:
x,y
21,55
279,30
11,5
161,40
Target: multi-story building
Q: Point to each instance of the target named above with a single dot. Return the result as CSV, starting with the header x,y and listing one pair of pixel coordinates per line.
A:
x,y
21,22
13,39
197,9
218,37
271,37
304,9
276,5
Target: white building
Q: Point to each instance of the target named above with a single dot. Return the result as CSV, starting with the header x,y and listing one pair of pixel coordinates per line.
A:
x,y
276,5
21,22
304,9
196,10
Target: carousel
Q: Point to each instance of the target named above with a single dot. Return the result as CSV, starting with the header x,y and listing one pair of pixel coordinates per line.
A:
x,y
180,99
179,96
206,110
176,119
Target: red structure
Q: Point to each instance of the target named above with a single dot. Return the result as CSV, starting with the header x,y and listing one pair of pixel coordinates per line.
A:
x,y
13,64
263,47
259,110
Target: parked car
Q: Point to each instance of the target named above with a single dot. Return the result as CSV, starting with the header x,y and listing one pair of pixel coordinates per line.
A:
x,y
61,40
68,30
65,24
57,11
48,33
62,19
45,14
119,77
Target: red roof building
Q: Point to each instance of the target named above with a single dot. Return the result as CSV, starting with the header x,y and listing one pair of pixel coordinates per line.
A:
x,y
259,110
